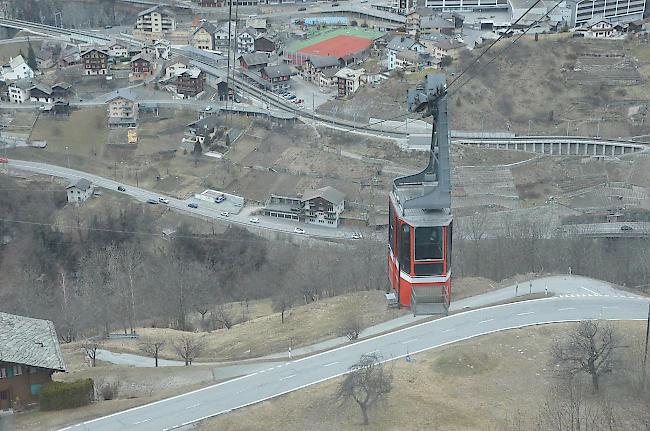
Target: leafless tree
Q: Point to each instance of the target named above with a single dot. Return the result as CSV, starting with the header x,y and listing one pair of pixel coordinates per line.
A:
x,y
223,315
152,347
367,383
90,348
590,348
282,302
352,323
188,348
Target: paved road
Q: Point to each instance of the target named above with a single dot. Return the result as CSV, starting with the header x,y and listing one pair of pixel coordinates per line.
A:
x,y
205,210
285,377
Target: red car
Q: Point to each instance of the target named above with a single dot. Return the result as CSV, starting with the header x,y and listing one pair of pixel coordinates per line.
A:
x,y
4,160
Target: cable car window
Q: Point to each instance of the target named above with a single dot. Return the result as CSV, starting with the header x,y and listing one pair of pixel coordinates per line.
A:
x,y
405,249
435,268
429,243
450,232
391,226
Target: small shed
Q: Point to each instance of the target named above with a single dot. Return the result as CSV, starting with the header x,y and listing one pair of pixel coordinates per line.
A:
x,y
79,191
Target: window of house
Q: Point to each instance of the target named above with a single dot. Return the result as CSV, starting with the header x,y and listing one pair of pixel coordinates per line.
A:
x,y
3,373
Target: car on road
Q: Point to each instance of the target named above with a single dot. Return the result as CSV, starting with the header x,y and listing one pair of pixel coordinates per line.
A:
x,y
193,205
626,227
4,160
254,220
220,199
298,230
301,9
224,214
163,200
357,235
207,108
152,201
291,96
108,26
121,189
237,204
335,4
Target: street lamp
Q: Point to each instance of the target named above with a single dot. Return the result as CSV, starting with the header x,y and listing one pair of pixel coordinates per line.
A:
x,y
67,157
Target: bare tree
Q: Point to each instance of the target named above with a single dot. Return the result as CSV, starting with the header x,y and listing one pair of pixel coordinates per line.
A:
x,y
367,383
352,323
590,348
223,315
90,348
282,302
188,348
152,347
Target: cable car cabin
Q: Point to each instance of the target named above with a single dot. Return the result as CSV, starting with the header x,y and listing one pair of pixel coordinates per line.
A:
x,y
420,220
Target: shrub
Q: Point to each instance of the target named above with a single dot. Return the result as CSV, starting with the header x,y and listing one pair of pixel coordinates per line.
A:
x,y
109,390
62,395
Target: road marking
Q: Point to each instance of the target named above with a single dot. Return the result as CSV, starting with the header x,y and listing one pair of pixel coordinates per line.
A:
x,y
288,377
192,406
486,321
590,291
566,309
409,341
447,330
330,364
141,422
610,306
526,313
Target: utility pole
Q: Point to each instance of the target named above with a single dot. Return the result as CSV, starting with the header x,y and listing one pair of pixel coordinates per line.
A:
x,y
529,123
645,355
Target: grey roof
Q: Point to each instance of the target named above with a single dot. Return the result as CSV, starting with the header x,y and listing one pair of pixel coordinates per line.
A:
x,y
328,193
433,21
162,10
435,37
422,11
63,85
125,93
81,183
145,57
101,50
42,87
277,71
208,26
28,341
321,62
207,123
251,31
412,56
255,59
400,43
23,84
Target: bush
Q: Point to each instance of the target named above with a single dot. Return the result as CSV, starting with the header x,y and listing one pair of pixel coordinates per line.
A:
x,y
61,395
109,390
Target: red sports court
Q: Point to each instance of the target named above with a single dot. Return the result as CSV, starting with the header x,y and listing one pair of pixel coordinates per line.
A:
x,y
338,46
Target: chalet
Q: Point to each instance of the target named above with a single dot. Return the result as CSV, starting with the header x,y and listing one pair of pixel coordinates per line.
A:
x,y
16,69
597,28
401,44
190,82
118,50
221,39
203,36
255,61
176,65
348,80
258,24
264,44
30,355
446,48
61,91
204,128
41,93
246,40
79,191
314,66
411,60
142,66
70,57
323,206
154,22
18,91
95,61
122,108
327,78
162,49
44,58
277,76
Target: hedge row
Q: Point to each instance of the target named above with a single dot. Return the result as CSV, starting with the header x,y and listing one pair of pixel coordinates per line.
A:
x,y
60,395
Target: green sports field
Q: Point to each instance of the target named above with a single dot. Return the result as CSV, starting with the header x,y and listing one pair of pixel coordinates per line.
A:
x,y
326,34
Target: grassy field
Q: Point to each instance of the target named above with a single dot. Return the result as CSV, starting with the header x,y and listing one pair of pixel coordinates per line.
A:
x,y
473,385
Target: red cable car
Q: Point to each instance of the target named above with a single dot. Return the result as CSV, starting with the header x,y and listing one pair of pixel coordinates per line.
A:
x,y
420,219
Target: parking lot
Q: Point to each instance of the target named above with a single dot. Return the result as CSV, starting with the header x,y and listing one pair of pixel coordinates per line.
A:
x,y
313,97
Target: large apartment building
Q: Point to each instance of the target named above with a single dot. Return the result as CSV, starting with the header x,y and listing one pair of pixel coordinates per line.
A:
x,y
610,10
468,5
156,21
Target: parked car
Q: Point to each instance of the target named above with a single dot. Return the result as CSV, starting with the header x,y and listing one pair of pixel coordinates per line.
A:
x,y
220,199
254,220
208,108
626,227
152,201
237,204
298,230
300,9
121,189
357,235
291,96
193,205
335,4
163,200
224,214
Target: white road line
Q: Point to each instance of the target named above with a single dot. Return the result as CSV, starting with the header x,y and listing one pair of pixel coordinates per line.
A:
x,y
409,341
526,313
590,291
330,364
192,406
447,330
486,321
288,377
141,422
566,309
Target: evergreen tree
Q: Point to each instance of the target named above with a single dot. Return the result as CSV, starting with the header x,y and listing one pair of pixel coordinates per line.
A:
x,y
31,57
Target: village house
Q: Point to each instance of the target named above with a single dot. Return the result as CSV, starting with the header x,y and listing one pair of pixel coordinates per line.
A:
x,y
285,207
70,56
162,49
412,61
44,58
177,65
246,40
61,91
155,22
221,39
122,108
79,191
348,80
40,92
18,91
205,128
118,50
258,24
400,44
190,82
142,66
277,76
95,62
30,355
323,206
314,66
203,36
16,69
264,44
597,28
435,24
327,77
251,62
